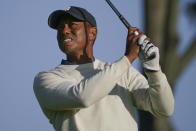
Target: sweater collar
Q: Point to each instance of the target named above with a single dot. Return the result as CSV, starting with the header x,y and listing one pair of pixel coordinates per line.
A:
x,y
66,62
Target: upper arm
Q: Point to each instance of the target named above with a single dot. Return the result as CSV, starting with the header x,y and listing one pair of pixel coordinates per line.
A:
x,y
55,93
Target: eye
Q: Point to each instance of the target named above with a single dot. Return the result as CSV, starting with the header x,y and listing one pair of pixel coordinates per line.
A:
x,y
74,25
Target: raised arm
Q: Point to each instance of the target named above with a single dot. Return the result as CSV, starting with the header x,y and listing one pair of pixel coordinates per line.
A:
x,y
154,95
57,93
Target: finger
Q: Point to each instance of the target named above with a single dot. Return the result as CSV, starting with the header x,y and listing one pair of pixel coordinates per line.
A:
x,y
139,31
143,46
148,39
141,39
151,51
136,32
135,39
130,37
148,46
131,30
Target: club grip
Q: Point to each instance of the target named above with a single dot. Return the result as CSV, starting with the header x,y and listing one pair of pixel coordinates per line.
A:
x,y
124,21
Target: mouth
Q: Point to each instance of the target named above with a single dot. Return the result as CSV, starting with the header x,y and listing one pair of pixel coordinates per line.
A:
x,y
67,41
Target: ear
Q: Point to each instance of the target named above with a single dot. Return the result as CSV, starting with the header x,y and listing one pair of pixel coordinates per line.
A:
x,y
92,33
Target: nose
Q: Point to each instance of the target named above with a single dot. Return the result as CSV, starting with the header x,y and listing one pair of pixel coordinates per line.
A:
x,y
66,29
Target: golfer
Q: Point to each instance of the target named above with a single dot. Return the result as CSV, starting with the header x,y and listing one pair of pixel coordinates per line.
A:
x,y
86,94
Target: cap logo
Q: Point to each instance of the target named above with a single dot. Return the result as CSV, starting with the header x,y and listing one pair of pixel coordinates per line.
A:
x,y
68,8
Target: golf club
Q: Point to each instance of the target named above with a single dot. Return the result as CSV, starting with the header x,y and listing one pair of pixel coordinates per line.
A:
x,y
126,23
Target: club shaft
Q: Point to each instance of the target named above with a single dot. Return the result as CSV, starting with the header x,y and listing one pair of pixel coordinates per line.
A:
x,y
124,21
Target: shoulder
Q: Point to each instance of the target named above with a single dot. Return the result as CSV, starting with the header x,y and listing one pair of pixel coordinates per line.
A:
x,y
98,64
42,76
58,71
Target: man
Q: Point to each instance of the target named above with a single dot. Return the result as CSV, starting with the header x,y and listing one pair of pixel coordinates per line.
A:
x,y
85,94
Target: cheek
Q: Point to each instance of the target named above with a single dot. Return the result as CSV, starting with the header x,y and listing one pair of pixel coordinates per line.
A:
x,y
81,36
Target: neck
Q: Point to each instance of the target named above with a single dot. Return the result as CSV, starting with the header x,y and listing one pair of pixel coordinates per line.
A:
x,y
81,59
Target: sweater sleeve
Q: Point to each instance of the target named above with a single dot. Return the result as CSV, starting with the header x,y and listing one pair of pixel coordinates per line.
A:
x,y
56,93
154,95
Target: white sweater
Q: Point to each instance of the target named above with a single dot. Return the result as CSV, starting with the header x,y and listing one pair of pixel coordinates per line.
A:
x,y
100,96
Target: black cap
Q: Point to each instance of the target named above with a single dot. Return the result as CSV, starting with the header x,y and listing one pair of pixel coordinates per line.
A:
x,y
77,12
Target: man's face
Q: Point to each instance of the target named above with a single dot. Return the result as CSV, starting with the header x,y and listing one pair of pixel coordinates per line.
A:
x,y
71,35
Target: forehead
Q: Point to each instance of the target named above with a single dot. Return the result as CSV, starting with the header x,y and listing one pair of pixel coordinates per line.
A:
x,y
68,18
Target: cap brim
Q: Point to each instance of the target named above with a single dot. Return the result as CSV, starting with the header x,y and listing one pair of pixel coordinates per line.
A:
x,y
54,17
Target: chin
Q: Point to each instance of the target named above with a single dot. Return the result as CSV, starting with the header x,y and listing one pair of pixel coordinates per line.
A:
x,y
68,52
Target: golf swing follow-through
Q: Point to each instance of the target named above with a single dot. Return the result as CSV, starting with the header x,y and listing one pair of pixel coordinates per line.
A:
x,y
142,43
83,93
